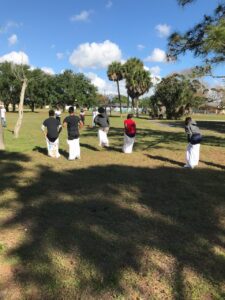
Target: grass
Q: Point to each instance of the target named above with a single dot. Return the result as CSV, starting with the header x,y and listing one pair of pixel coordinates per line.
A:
x,y
111,225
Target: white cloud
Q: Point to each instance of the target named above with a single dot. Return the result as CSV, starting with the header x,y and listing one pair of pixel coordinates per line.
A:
x,y
82,16
155,70
105,86
10,24
157,55
12,39
95,55
48,70
163,30
140,47
109,4
60,55
15,57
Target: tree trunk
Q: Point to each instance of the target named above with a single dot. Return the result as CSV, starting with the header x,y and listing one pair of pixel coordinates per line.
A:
x,y
128,102
32,106
132,103
137,108
7,107
118,90
13,106
2,145
20,110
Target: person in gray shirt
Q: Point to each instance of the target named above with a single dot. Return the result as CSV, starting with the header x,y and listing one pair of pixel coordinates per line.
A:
x,y
194,138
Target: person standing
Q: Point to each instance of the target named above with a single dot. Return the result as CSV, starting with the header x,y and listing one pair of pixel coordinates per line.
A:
x,y
82,115
52,136
194,139
73,123
58,114
94,114
102,121
129,134
3,115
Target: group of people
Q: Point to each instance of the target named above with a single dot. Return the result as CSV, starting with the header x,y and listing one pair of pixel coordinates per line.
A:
x,y
3,115
52,128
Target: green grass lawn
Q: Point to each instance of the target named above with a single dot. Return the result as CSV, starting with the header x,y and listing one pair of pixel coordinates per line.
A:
x,y
112,225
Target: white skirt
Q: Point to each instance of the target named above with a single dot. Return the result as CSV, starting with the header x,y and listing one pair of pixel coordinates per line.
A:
x,y
53,148
192,155
103,138
74,149
128,144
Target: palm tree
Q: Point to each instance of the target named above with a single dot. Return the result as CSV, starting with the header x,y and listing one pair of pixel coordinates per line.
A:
x,y
138,80
137,85
115,73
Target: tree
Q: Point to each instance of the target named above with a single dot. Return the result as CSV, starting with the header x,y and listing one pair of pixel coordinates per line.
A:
x,y
38,89
206,39
115,73
138,80
20,73
177,94
9,86
2,144
72,88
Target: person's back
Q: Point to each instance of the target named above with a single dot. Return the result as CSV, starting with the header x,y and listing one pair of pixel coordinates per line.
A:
x,y
191,128
52,126
130,127
72,126
73,123
102,120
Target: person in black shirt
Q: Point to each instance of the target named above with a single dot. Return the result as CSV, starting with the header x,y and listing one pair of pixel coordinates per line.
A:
x,y
73,123
52,136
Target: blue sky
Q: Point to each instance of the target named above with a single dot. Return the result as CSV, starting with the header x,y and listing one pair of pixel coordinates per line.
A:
x,y
85,35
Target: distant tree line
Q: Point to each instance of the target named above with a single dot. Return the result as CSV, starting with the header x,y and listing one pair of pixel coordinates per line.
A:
x,y
67,88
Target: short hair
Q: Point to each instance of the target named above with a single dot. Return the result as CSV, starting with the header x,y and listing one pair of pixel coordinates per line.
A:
x,y
187,120
51,113
71,110
101,110
130,116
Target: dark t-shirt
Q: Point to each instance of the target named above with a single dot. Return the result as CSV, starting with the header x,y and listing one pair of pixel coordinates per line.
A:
x,y
72,127
52,128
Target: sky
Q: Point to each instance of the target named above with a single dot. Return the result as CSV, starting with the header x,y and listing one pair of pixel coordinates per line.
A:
x,y
87,35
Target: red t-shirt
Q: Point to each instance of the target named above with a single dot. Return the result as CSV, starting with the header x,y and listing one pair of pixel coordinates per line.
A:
x,y
130,127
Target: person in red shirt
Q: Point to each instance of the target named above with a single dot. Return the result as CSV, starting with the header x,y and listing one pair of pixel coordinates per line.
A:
x,y
129,134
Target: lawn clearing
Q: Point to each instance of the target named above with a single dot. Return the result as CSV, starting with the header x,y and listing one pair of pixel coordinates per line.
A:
x,y
111,225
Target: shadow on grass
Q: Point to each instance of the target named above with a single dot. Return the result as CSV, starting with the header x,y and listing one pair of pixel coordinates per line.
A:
x,y
164,137
165,159
99,222
211,164
90,147
217,126
43,150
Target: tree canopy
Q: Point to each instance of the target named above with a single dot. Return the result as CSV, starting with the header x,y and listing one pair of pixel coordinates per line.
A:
x,y
43,89
205,39
178,95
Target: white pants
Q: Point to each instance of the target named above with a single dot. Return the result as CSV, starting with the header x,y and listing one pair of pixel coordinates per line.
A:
x,y
74,149
192,155
53,148
128,144
103,139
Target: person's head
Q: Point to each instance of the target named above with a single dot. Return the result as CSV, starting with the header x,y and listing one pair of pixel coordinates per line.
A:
x,y
51,113
130,116
81,110
101,110
71,110
188,120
